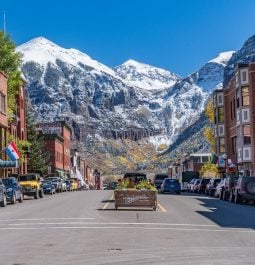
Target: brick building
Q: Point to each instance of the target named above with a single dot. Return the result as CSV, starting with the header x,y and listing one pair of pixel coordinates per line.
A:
x,y
57,136
3,121
18,128
235,121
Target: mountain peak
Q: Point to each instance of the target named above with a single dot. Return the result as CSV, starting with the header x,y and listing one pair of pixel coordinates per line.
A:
x,y
223,58
146,76
44,51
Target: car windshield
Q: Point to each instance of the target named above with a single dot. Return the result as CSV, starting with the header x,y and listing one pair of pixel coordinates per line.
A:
x,y
27,178
7,182
174,181
161,177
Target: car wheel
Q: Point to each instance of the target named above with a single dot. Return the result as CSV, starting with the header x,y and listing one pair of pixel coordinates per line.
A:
x,y
36,194
4,202
13,198
41,193
231,196
21,197
237,198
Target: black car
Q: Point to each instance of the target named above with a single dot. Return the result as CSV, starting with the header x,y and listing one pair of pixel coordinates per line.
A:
x,y
244,189
3,198
158,180
135,177
13,190
68,185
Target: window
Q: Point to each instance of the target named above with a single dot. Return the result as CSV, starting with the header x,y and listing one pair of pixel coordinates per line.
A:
x,y
234,108
196,159
231,110
244,76
221,114
220,99
246,153
233,145
2,103
237,102
245,96
246,135
222,145
205,159
245,115
221,130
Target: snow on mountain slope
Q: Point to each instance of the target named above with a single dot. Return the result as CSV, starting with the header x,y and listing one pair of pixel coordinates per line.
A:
x,y
223,58
133,100
44,51
146,76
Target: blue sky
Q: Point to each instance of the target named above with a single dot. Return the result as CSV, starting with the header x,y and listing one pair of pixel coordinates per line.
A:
x,y
176,35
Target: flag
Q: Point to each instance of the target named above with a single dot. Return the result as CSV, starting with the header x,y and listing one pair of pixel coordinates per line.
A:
x,y
12,151
214,159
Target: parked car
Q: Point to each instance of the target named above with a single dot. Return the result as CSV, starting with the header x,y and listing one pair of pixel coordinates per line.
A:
x,y
211,186
3,198
158,180
218,189
63,184
48,187
244,189
170,185
31,185
68,185
190,185
112,185
200,187
74,185
57,183
13,190
194,185
227,188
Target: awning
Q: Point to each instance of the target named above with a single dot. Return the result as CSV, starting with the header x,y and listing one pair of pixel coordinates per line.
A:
x,y
9,164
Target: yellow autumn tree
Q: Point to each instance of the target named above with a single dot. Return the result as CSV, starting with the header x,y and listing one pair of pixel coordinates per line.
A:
x,y
208,131
209,170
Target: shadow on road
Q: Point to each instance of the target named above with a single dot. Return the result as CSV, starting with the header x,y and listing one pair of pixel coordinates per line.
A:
x,y
227,214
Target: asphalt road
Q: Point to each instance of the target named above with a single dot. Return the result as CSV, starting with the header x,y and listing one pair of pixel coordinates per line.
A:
x,y
84,228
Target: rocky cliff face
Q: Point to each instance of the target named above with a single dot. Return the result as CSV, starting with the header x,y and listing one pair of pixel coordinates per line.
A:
x,y
245,55
133,101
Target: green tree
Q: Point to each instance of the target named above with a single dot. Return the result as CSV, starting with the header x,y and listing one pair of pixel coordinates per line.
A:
x,y
10,63
39,157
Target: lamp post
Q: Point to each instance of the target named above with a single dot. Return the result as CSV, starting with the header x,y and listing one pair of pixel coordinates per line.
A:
x,y
224,156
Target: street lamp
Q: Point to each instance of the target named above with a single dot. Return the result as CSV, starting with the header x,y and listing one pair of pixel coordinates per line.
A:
x,y
224,156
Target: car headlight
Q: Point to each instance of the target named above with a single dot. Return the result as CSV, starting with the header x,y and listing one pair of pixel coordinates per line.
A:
x,y
9,189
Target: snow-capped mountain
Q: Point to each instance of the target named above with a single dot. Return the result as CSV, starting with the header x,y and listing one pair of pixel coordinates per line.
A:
x,y
146,76
133,100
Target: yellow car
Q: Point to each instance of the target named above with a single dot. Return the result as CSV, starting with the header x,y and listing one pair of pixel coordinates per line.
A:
x,y
31,185
74,185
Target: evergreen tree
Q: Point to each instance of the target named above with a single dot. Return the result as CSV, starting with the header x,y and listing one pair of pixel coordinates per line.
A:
x,y
39,157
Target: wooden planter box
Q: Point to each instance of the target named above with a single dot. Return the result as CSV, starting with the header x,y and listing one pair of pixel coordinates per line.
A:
x,y
135,198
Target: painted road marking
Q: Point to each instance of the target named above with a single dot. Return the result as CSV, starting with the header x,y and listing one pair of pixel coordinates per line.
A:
x,y
114,223
48,218
162,208
107,204
121,227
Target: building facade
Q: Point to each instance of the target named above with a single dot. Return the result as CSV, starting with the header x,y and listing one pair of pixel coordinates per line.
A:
x,y
57,139
235,121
